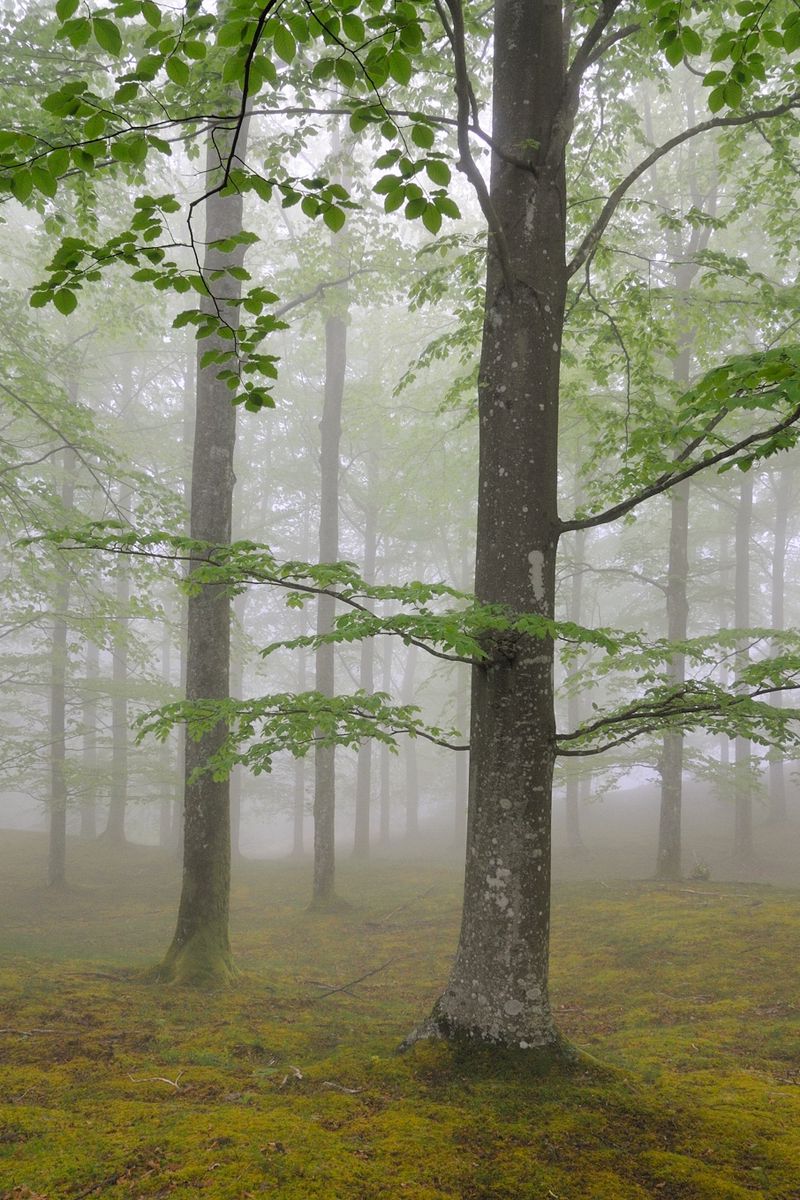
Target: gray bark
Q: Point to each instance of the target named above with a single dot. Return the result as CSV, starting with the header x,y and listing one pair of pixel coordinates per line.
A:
x,y
89,718
498,990
120,732
574,839
57,849
410,750
743,849
777,776
385,753
200,950
361,841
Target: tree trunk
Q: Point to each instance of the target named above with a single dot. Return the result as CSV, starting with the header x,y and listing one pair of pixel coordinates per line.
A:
x,y
237,682
200,950
89,791
574,839
385,753
325,756
462,759
120,732
164,799
410,750
366,676
57,853
498,990
777,778
189,425
743,850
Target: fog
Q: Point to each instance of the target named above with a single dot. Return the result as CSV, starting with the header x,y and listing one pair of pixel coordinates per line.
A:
x,y
399,493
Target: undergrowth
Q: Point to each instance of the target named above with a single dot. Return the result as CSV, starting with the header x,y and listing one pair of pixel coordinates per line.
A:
x,y
288,1084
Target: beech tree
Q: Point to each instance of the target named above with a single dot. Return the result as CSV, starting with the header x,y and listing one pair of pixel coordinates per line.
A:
x,y
544,53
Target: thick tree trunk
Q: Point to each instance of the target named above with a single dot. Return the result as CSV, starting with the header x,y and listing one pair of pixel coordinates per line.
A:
x,y
777,777
57,852
361,838
89,716
325,756
385,754
200,951
498,990
574,839
120,732
743,850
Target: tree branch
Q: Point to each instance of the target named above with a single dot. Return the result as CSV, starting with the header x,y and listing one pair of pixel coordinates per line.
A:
x,y
672,478
466,163
592,238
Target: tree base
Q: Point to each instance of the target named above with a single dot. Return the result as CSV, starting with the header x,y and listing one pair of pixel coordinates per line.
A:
x,y
329,904
200,962
482,1056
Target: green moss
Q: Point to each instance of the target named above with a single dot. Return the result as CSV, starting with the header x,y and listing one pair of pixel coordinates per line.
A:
x,y
684,1085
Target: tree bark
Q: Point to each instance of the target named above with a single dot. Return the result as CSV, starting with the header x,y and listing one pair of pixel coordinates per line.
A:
x,y
498,988
89,791
410,750
743,849
200,951
120,732
164,800
237,682
325,756
777,777
574,839
361,840
57,850
385,753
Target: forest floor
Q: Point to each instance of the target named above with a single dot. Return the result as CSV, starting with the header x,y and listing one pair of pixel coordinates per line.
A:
x,y
113,1087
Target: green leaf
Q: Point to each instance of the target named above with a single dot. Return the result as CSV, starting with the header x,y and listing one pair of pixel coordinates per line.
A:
x,y
334,218
416,207
151,13
22,185
394,200
78,31
44,181
432,219
438,171
65,8
716,99
345,72
423,136
353,28
177,70
284,43
65,301
791,38
107,35
399,67
692,42
674,52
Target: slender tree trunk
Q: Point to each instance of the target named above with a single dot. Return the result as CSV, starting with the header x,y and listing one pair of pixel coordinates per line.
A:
x,y
574,839
325,756
189,424
89,792
57,855
367,677
200,950
498,990
743,850
237,682
120,732
462,759
777,777
164,802
410,750
385,753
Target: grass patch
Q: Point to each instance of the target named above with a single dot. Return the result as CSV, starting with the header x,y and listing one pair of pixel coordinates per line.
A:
x,y
116,1087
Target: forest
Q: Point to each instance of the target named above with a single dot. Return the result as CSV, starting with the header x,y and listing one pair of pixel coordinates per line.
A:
x,y
400,766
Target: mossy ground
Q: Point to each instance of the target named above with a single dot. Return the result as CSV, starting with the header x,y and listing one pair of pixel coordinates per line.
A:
x,y
114,1087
